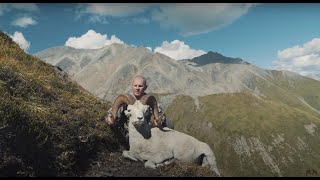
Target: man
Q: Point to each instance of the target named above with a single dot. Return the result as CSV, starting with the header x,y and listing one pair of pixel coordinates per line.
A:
x,y
139,85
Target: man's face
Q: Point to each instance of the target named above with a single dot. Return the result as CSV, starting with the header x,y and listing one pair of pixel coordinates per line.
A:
x,y
138,86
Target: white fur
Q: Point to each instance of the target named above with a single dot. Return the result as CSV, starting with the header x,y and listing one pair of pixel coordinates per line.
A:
x,y
159,146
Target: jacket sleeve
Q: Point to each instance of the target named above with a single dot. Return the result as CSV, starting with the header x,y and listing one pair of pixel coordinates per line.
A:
x,y
120,111
162,114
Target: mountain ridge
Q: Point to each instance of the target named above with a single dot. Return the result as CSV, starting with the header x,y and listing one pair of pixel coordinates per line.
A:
x,y
97,70
215,57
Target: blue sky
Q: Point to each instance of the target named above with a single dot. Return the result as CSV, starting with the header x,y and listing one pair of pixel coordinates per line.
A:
x,y
271,36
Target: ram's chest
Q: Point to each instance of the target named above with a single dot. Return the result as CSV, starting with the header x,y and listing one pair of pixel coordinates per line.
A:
x,y
142,145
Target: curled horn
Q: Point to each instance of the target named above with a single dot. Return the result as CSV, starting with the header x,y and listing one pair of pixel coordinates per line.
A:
x,y
119,101
151,101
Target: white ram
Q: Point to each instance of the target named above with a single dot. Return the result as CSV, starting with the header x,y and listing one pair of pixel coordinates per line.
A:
x,y
159,145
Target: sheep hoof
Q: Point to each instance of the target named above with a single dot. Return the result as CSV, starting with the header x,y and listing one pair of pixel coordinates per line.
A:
x,y
150,164
127,154
169,161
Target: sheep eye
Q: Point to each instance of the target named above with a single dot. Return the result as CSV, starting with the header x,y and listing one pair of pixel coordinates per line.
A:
x,y
127,112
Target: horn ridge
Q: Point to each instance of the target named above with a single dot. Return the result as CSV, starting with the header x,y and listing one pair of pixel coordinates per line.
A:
x,y
150,100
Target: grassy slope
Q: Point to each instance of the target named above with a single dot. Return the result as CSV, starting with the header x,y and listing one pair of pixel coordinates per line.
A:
x,y
269,131
48,124
286,90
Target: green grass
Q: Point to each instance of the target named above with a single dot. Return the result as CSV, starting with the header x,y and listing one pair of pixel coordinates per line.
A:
x,y
285,90
49,125
223,118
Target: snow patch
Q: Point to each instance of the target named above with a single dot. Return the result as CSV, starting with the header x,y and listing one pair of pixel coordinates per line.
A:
x,y
267,158
310,128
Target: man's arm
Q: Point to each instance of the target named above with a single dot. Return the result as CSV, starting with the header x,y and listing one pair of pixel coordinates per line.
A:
x,y
162,116
165,122
110,119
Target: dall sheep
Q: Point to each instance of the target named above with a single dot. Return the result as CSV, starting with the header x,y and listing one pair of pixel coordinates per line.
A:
x,y
159,145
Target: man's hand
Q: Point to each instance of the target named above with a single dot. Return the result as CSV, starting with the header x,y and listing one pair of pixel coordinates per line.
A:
x,y
156,123
110,120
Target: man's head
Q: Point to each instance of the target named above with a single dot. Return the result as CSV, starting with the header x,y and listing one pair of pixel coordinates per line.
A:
x,y
139,85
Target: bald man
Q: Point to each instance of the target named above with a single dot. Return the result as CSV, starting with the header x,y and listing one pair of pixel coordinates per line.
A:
x,y
139,86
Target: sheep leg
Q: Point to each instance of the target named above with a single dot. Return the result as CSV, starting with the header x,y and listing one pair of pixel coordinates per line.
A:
x,y
154,162
127,154
150,164
210,160
165,162
205,162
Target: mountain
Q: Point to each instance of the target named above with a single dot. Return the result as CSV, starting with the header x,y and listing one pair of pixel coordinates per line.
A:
x,y
51,126
259,122
214,57
108,71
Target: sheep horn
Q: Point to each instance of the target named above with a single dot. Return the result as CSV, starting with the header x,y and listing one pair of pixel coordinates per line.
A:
x,y
119,101
151,101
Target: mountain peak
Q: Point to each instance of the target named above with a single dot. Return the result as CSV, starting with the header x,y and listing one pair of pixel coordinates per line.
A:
x,y
214,57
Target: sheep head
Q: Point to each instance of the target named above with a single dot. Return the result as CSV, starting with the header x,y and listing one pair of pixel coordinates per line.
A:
x,y
137,113
140,107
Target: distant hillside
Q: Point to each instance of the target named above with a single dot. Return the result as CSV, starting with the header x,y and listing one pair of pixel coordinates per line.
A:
x,y
251,136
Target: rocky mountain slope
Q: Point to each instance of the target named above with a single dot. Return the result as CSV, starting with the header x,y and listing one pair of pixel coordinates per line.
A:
x,y
108,71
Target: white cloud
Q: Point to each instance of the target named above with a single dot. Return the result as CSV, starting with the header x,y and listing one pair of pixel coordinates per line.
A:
x,y
6,7
98,12
92,40
178,50
192,18
304,59
20,40
297,51
188,18
115,9
24,22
